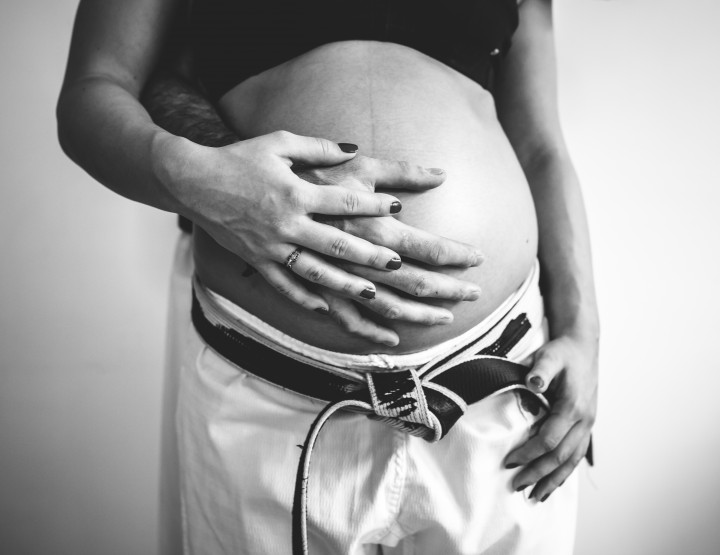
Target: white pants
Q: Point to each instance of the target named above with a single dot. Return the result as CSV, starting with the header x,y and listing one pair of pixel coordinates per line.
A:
x,y
372,489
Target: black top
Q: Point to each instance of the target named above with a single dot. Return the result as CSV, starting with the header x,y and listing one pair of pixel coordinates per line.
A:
x,y
235,39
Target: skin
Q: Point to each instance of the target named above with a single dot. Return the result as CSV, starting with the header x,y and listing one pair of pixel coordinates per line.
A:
x,y
104,128
485,199
568,363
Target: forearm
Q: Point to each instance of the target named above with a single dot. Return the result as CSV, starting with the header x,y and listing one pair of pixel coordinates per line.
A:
x,y
105,130
527,108
564,246
180,108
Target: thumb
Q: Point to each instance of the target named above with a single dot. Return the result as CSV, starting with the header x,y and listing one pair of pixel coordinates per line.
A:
x,y
314,151
547,365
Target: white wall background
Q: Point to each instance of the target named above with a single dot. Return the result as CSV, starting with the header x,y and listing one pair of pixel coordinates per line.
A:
x,y
83,286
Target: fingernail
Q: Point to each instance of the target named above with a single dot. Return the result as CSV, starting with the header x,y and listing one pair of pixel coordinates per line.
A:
x,y
510,466
395,207
391,342
537,382
348,147
445,318
368,293
473,294
394,264
478,258
436,171
521,488
322,310
544,498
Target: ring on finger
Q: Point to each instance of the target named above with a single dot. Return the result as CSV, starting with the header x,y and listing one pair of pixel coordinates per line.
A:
x,y
292,258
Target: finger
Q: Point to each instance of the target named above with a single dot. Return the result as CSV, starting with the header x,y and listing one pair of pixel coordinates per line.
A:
x,y
419,282
550,434
331,241
402,175
316,270
412,242
393,307
546,486
346,314
290,288
312,150
547,365
546,464
341,201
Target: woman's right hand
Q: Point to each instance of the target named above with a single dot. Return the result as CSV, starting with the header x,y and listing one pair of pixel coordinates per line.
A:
x,y
247,198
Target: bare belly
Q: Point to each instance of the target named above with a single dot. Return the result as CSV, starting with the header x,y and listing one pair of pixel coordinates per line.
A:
x,y
398,104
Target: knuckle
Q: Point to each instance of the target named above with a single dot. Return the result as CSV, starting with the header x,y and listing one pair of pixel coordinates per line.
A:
x,y
365,167
347,324
404,240
296,198
437,253
316,274
284,290
351,202
339,246
282,136
324,146
557,458
348,288
284,228
391,312
374,258
577,411
547,443
404,167
421,287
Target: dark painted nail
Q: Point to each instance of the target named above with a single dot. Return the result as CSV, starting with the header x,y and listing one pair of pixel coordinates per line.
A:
x,y
394,264
436,171
395,207
544,498
368,294
348,147
537,382
510,466
322,310
521,488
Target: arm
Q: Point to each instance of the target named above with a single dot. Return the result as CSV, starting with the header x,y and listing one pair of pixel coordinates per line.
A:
x,y
178,106
103,127
568,363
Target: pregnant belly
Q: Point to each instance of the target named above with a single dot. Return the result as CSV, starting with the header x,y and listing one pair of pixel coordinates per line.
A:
x,y
398,104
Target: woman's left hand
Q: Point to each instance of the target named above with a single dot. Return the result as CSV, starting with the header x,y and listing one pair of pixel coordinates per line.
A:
x,y
393,306
568,367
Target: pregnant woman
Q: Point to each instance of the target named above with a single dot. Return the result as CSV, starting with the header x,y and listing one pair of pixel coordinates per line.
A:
x,y
426,335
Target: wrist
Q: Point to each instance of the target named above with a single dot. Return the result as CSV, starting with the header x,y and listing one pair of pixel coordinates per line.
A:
x,y
581,322
175,167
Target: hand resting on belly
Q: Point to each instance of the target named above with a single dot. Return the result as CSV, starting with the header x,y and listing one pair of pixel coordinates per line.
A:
x,y
398,105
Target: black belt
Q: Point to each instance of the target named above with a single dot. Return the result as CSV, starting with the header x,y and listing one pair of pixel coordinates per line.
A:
x,y
424,405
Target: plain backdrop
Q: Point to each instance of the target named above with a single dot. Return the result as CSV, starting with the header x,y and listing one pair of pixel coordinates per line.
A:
x,y
84,279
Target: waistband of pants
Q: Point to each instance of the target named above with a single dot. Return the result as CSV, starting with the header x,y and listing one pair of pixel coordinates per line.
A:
x,y
526,300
